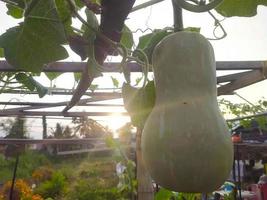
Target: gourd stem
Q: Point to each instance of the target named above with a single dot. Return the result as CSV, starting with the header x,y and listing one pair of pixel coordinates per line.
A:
x,y
177,16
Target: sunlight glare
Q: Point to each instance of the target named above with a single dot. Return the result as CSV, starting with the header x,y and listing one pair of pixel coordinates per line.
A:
x,y
115,122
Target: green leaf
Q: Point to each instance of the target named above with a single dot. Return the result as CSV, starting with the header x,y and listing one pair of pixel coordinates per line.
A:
x,y
115,82
65,15
192,29
29,82
14,11
241,8
138,80
77,76
93,87
93,22
52,75
139,102
93,69
42,91
1,53
79,3
127,37
81,44
163,194
17,11
63,9
25,80
155,39
38,40
144,40
149,42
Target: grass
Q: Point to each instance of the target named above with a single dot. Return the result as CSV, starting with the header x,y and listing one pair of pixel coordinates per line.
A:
x,y
28,161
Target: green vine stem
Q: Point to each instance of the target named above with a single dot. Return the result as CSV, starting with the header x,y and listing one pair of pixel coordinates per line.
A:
x,y
86,79
123,64
145,66
177,16
102,36
120,48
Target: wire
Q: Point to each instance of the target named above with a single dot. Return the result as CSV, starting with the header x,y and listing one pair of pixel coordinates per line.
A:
x,y
142,30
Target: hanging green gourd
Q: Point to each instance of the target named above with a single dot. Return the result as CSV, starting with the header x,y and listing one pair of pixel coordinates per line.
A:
x,y
186,145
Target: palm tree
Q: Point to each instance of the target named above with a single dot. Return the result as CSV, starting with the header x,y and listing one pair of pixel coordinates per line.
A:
x,y
67,133
89,128
58,132
62,132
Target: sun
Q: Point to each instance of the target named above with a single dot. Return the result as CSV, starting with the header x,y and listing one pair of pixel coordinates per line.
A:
x,y
115,122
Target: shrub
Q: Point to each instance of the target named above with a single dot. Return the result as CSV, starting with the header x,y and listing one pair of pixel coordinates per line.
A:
x,y
84,191
42,174
22,191
27,163
54,187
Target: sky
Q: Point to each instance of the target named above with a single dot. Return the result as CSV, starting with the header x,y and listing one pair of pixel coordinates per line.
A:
x,y
246,40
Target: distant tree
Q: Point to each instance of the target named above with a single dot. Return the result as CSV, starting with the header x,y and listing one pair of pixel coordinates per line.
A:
x,y
125,132
6,125
67,133
58,131
89,128
62,132
15,129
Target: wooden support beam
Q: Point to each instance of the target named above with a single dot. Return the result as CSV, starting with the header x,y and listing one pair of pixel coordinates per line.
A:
x,y
245,80
133,67
71,67
230,77
4,113
49,141
64,103
40,106
239,65
7,103
65,92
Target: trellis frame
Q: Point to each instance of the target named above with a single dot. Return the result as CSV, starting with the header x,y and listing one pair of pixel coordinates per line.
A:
x,y
255,71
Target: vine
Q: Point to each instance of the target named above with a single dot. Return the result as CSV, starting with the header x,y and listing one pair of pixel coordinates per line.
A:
x,y
243,110
22,47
